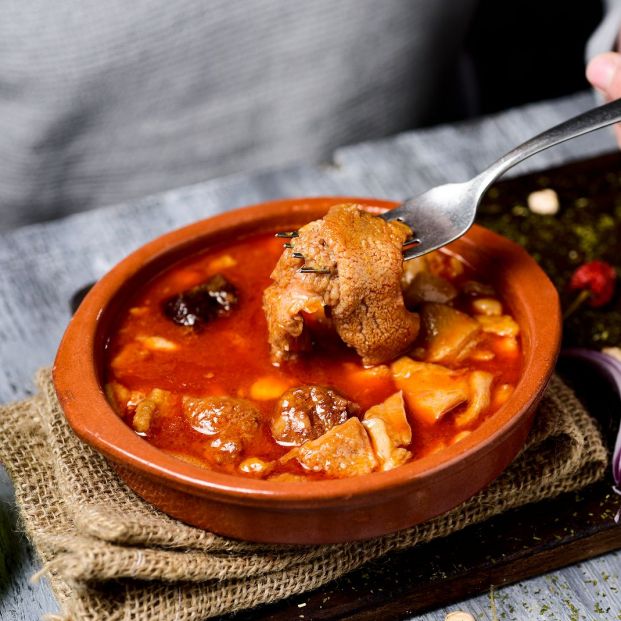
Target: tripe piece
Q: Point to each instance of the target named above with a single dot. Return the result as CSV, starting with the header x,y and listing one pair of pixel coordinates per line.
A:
x,y
344,451
502,325
426,287
389,431
158,402
430,390
392,413
480,384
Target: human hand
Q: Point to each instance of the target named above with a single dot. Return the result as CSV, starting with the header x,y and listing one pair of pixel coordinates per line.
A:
x,y
604,73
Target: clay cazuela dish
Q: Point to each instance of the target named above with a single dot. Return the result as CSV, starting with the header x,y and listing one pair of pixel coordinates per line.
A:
x,y
222,400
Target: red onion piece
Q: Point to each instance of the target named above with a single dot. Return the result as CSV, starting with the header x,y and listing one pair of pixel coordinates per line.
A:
x,y
610,368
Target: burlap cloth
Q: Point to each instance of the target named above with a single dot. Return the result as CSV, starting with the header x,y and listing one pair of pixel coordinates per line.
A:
x,y
109,555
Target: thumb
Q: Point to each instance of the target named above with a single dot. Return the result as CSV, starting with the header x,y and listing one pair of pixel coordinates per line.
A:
x,y
604,73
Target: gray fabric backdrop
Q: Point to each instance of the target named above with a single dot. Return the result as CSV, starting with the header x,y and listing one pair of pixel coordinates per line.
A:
x,y
101,102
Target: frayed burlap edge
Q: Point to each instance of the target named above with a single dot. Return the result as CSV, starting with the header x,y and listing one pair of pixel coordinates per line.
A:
x,y
112,556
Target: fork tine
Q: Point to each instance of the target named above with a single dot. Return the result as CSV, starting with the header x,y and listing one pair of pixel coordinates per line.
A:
x,y
288,245
314,270
412,252
297,255
411,240
394,214
287,234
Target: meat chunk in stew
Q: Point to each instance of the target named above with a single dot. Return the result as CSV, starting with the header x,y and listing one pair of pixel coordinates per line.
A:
x,y
362,289
344,451
231,424
426,287
307,412
214,298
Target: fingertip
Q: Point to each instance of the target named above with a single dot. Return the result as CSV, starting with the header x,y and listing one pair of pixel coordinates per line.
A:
x,y
600,72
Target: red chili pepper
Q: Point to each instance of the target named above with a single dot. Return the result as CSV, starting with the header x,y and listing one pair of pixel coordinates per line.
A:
x,y
598,279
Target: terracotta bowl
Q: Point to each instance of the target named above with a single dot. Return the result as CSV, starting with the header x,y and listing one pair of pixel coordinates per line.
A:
x,y
314,512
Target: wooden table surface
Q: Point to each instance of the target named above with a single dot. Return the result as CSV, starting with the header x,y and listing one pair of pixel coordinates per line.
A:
x,y
42,265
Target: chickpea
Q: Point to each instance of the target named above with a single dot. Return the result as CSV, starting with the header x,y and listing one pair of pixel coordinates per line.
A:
x,y
487,306
502,325
255,466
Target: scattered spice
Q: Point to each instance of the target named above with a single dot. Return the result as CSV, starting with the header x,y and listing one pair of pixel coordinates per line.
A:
x,y
492,601
574,612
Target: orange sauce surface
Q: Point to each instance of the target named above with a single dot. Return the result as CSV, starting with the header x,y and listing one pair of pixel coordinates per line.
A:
x,y
231,353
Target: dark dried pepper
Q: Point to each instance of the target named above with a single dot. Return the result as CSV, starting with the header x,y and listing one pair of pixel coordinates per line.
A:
x,y
202,303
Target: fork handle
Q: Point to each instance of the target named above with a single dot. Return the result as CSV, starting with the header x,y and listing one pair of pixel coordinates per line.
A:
x,y
588,121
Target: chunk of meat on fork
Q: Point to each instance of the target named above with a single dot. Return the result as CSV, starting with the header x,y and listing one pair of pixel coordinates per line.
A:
x,y
361,255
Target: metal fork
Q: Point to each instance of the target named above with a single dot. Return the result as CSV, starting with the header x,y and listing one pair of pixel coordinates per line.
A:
x,y
444,213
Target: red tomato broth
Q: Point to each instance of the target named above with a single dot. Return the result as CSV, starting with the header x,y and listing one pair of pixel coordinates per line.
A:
x,y
229,354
